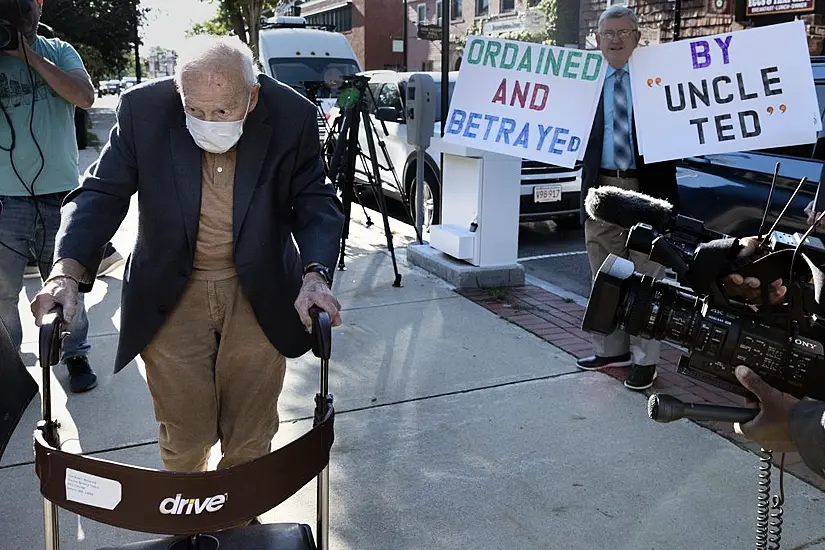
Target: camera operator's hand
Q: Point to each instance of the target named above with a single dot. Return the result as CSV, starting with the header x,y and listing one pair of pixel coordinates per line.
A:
x,y
812,216
770,428
749,287
60,291
315,291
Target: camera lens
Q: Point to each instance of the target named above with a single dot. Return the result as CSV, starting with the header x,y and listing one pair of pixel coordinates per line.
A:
x,y
640,305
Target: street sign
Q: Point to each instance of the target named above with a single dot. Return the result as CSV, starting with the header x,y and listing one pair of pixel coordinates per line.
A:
x,y
429,32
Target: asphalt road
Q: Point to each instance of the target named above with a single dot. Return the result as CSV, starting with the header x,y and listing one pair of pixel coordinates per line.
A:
x,y
555,256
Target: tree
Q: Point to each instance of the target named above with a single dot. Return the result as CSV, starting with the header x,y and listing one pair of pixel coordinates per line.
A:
x,y
104,30
239,17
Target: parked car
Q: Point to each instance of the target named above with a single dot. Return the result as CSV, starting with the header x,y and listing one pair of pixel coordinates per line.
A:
x,y
547,192
729,191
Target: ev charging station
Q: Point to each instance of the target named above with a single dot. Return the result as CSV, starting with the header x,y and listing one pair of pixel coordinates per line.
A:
x,y
480,196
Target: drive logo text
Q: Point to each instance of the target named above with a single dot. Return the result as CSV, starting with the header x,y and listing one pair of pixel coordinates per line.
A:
x,y
180,506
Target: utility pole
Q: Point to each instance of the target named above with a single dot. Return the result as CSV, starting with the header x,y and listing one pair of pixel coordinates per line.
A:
x,y
137,45
445,63
405,64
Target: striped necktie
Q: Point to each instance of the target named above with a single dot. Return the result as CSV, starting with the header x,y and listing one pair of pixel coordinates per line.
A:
x,y
621,129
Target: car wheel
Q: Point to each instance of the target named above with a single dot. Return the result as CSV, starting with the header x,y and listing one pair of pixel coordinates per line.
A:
x,y
432,201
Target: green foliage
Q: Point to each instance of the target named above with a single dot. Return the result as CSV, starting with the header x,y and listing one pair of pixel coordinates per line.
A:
x,y
103,31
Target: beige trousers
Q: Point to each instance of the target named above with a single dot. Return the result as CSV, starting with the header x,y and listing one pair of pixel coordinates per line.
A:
x,y
602,239
213,376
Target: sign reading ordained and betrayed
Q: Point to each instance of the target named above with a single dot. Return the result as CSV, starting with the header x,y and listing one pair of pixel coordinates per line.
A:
x,y
525,100
730,92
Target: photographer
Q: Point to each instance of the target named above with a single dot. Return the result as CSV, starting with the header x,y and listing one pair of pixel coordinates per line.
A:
x,y
784,423
42,80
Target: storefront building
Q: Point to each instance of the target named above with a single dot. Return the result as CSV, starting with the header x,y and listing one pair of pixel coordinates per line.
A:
x,y
707,17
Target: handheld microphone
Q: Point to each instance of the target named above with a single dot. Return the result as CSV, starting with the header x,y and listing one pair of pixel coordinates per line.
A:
x,y
627,208
666,408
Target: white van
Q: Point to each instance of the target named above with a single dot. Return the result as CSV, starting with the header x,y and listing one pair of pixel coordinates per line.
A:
x,y
294,52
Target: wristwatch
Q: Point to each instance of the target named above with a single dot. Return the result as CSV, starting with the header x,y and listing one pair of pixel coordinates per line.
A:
x,y
321,269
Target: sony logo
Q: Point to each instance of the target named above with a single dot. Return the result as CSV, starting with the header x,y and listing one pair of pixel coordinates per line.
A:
x,y
179,506
807,344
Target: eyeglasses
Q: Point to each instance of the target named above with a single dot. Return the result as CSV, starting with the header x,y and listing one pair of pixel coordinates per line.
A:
x,y
611,34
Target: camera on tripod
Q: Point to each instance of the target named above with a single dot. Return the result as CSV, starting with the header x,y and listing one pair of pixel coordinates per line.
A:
x,y
780,342
11,21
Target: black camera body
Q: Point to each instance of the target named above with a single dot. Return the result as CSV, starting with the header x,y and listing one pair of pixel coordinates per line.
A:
x,y
11,20
718,336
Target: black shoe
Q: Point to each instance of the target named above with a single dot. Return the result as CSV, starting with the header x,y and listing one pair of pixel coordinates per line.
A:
x,y
81,376
595,362
641,377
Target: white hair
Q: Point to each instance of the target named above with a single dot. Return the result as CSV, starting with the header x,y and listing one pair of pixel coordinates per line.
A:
x,y
618,12
216,53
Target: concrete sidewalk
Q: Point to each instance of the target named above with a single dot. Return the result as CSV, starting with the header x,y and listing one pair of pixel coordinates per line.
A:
x,y
455,428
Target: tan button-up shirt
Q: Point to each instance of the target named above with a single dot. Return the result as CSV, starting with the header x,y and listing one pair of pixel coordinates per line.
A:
x,y
213,250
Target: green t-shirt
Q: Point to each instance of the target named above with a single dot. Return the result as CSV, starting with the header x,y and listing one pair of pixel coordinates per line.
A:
x,y
52,124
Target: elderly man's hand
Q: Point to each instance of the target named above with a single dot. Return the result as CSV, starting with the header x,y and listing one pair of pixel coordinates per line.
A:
x,y
315,291
771,427
60,291
749,287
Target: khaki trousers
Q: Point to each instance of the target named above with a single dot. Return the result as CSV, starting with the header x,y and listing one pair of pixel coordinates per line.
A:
x,y
213,376
601,240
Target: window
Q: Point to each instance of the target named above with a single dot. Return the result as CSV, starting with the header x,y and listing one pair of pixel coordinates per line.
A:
x,y
421,10
455,9
482,7
340,19
294,72
389,96
508,5
439,11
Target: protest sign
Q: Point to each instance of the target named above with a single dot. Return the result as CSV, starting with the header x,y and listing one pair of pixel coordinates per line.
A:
x,y
730,92
525,100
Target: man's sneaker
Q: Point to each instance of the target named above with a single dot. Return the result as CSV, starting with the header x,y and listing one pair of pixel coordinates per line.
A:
x,y
110,263
32,271
641,377
81,377
595,362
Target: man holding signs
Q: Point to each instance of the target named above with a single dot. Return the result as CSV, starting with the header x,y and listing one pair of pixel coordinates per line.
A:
x,y
613,158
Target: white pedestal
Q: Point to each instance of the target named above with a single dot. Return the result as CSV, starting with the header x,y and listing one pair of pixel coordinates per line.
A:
x,y
480,187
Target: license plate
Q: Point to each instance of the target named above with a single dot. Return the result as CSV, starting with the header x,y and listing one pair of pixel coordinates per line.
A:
x,y
547,193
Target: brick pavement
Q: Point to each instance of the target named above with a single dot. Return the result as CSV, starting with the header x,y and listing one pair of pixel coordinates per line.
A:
x,y
558,321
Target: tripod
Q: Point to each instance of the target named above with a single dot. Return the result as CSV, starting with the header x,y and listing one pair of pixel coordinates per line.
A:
x,y
347,150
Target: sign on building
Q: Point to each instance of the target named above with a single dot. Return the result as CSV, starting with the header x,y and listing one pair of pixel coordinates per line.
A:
x,y
532,21
429,32
526,100
725,93
771,7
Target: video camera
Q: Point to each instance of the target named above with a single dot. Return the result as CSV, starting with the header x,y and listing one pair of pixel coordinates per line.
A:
x,y
12,13
781,343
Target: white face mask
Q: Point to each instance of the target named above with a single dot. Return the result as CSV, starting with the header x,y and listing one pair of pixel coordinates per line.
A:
x,y
216,137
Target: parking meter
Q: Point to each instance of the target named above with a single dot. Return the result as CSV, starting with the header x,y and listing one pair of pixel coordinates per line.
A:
x,y
420,115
